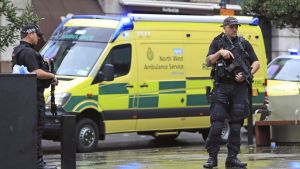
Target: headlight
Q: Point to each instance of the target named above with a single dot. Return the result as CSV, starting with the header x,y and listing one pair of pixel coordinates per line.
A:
x,y
60,99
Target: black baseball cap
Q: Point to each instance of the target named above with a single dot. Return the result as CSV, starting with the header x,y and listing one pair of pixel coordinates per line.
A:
x,y
32,28
230,21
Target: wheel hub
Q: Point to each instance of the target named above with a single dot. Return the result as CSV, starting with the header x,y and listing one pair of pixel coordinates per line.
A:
x,y
87,136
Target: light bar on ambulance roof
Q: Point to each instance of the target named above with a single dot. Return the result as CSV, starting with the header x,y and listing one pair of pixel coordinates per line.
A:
x,y
293,51
188,18
126,23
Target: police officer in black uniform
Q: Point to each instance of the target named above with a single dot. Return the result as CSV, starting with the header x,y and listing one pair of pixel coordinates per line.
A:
x,y
24,54
230,94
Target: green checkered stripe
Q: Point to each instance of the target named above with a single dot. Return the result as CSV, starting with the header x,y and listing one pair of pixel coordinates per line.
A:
x,y
165,87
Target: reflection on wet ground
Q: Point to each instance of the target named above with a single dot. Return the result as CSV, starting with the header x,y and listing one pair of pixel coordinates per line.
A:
x,y
184,157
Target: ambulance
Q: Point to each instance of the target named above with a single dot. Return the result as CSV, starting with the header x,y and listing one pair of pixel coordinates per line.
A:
x,y
142,73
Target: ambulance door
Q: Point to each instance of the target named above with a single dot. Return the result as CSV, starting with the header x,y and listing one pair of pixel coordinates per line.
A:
x,y
161,86
117,97
197,80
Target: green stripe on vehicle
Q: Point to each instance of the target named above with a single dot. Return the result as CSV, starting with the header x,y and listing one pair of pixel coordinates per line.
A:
x,y
172,85
172,92
258,99
74,100
118,88
148,101
87,104
196,100
132,101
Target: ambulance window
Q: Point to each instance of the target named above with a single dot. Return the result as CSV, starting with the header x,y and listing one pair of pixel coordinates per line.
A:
x,y
120,57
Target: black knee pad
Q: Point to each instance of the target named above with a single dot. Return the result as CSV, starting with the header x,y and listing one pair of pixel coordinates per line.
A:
x,y
216,128
235,128
218,112
238,113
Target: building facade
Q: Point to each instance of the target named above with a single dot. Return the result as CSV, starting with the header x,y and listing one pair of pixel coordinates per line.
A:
x,y
52,11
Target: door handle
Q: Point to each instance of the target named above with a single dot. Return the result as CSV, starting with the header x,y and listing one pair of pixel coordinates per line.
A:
x,y
129,86
144,85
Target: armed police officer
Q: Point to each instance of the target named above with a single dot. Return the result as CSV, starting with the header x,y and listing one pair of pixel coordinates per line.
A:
x,y
233,62
24,54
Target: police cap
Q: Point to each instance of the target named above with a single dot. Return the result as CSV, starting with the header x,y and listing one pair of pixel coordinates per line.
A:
x,y
230,21
32,28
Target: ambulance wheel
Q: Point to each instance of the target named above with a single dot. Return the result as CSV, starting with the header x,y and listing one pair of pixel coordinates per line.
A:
x,y
87,135
225,132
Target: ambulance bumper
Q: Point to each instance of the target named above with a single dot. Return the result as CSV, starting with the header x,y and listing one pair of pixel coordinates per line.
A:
x,y
52,125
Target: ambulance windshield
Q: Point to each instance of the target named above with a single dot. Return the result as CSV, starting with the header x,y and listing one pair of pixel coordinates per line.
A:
x,y
90,34
73,58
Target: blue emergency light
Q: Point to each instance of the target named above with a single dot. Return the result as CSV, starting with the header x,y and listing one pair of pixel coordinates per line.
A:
x,y
293,51
254,22
125,24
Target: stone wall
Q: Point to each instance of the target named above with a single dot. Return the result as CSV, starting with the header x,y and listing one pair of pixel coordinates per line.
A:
x,y
284,39
111,7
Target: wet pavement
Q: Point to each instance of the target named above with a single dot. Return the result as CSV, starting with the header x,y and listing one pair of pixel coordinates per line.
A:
x,y
186,152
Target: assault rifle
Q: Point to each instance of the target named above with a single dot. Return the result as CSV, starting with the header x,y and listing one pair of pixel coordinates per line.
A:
x,y
238,62
53,105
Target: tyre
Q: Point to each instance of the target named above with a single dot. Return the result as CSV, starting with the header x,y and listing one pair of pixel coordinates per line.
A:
x,y
225,132
87,135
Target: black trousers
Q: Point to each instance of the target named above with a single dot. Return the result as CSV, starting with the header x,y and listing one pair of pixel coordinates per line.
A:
x,y
229,101
40,124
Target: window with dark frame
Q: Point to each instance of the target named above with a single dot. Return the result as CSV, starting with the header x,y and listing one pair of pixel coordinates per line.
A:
x,y
120,58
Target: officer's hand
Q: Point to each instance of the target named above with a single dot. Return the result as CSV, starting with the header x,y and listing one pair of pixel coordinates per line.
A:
x,y
240,77
54,81
226,54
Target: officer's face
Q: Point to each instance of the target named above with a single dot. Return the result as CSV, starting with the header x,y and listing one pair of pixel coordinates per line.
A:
x,y
231,30
34,38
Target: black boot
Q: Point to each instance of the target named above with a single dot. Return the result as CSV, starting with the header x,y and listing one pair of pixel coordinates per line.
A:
x,y
234,162
211,162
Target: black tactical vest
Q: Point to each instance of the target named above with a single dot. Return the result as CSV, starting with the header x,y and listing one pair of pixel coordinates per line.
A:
x,y
220,71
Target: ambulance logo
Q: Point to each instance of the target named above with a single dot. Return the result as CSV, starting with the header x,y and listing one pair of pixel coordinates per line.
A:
x,y
150,54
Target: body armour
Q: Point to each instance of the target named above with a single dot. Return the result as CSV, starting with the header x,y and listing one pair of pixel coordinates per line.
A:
x,y
223,70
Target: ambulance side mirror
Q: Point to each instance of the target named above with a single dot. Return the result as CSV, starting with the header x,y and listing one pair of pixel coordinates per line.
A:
x,y
108,72
105,74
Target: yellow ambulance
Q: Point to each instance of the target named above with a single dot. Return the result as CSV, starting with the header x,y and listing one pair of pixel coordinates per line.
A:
x,y
141,73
